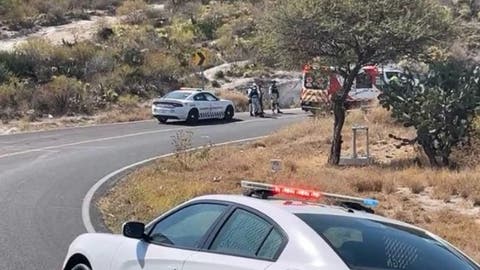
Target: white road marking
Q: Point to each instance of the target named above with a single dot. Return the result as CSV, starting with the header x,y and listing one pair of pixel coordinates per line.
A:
x,y
88,141
79,127
87,200
121,137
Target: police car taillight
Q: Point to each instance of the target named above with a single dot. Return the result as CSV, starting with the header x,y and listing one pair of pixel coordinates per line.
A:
x,y
264,191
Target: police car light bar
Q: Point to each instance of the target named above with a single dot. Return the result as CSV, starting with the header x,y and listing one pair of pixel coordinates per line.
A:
x,y
264,191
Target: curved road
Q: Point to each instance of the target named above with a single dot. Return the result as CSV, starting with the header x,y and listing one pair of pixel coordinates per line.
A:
x,y
44,177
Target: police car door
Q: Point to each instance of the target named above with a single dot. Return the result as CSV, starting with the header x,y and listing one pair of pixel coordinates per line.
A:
x,y
218,109
203,106
245,241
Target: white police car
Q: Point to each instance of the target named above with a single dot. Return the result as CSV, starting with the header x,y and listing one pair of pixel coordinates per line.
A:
x,y
191,105
228,232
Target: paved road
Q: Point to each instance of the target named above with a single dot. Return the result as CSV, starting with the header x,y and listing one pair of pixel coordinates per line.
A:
x,y
45,175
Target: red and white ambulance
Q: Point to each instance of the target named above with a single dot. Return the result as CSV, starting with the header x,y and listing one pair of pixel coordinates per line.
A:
x,y
320,83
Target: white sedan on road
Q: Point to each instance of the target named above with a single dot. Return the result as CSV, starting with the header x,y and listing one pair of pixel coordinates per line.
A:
x,y
258,231
192,105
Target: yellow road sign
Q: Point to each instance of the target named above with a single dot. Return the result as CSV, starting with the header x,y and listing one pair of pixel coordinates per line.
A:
x,y
199,58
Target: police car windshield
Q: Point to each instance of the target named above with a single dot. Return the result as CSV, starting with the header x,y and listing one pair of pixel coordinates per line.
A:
x,y
365,244
178,95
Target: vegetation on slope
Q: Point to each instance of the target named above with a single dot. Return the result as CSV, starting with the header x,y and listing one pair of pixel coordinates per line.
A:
x,y
144,56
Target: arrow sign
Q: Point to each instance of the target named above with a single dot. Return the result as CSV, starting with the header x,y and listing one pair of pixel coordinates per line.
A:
x,y
199,58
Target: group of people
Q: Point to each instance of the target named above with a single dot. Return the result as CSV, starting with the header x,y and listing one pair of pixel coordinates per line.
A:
x,y
255,99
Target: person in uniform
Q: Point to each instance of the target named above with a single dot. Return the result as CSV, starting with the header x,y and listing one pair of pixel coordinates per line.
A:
x,y
274,97
254,99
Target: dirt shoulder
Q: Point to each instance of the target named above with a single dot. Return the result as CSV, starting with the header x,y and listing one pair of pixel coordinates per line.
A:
x,y
48,122
445,202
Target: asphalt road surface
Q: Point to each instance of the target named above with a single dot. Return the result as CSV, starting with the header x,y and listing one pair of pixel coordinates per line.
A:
x,y
44,177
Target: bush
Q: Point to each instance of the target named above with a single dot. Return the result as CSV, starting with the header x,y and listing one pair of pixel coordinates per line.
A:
x,y
162,71
63,95
219,75
102,62
14,98
4,73
133,11
36,55
128,102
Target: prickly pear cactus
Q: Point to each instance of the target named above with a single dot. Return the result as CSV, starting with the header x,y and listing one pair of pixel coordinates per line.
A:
x,y
440,105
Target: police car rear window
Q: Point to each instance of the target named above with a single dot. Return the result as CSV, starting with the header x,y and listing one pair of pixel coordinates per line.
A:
x,y
178,95
372,245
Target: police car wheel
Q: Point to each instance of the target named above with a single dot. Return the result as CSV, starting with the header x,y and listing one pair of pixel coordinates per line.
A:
x,y
192,117
162,120
229,113
81,266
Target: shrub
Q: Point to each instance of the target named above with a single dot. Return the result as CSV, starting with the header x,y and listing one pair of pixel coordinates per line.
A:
x,y
102,62
18,64
219,75
15,96
63,95
162,64
182,33
128,102
133,11
36,55
4,73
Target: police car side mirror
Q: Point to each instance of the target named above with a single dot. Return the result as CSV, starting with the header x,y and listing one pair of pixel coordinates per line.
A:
x,y
134,230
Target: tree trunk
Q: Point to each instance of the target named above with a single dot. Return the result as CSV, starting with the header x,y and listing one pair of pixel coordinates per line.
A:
x,y
339,116
339,120
430,154
435,160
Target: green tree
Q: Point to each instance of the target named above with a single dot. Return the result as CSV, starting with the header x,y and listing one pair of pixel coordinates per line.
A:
x,y
440,107
348,34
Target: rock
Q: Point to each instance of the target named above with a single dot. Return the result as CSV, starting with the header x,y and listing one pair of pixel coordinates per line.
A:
x,y
10,131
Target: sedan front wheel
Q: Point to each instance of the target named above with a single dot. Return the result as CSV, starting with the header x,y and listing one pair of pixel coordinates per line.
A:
x,y
81,266
229,113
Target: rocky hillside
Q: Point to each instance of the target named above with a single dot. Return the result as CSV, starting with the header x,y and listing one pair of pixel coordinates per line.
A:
x,y
83,57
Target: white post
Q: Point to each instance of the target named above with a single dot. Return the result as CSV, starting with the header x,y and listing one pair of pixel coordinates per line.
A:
x,y
354,142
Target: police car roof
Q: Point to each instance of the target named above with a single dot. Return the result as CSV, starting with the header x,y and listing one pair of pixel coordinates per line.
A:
x,y
293,207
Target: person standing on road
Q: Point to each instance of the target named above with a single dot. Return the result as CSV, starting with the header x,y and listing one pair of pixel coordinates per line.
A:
x,y
254,98
250,106
274,97
260,99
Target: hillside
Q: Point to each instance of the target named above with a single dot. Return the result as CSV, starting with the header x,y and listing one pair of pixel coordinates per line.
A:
x,y
82,58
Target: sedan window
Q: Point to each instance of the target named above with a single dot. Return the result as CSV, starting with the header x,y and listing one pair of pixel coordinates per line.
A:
x,y
374,245
199,97
188,226
210,97
246,234
182,95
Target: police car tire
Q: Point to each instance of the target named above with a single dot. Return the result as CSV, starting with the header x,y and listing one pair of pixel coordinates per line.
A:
x,y
229,113
162,120
192,117
81,266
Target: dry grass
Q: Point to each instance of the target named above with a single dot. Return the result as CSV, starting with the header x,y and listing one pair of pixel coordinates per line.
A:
x,y
239,100
303,149
125,115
